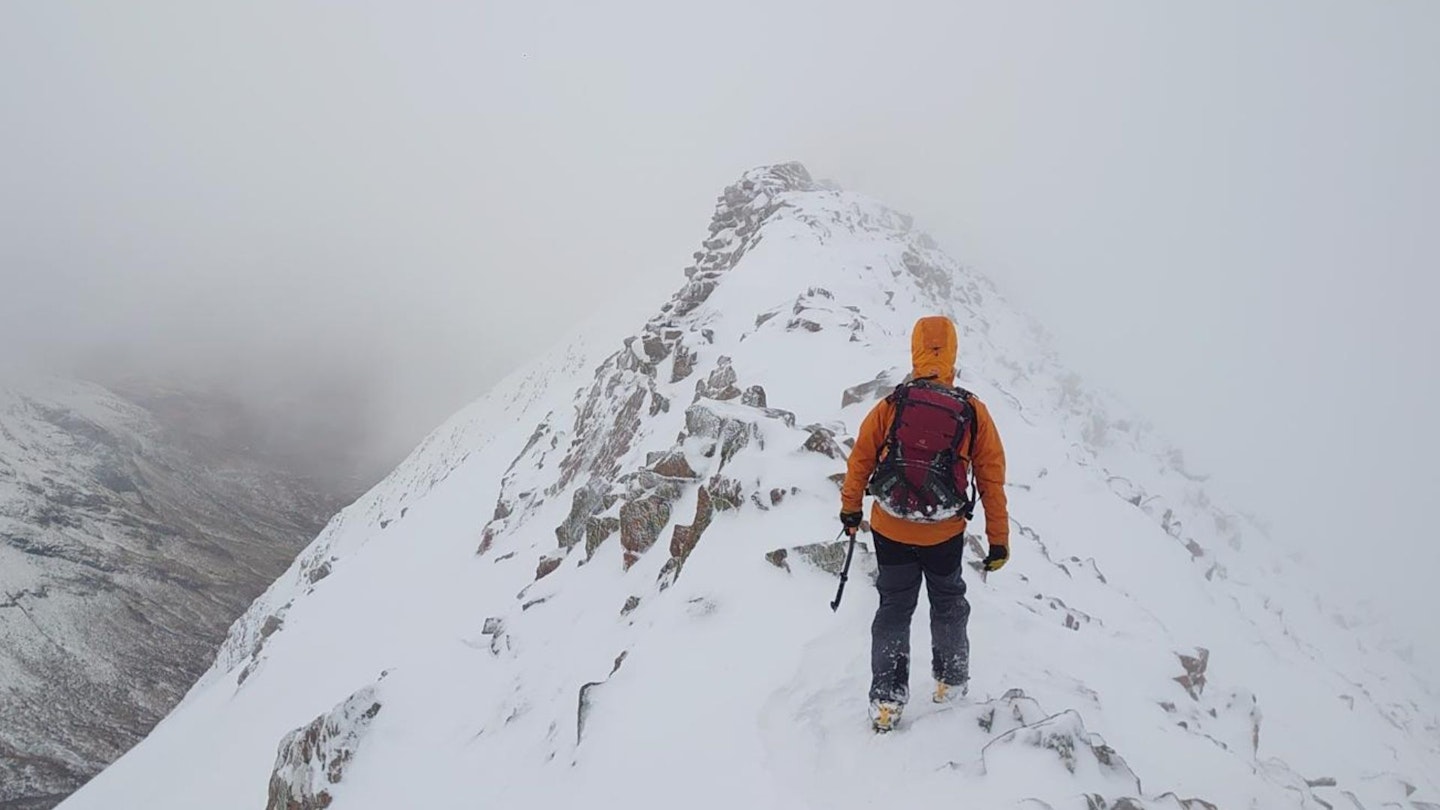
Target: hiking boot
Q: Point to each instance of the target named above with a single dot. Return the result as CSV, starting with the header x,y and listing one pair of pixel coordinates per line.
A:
x,y
885,715
947,692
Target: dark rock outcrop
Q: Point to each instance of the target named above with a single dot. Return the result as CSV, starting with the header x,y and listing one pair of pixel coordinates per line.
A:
x,y
1193,681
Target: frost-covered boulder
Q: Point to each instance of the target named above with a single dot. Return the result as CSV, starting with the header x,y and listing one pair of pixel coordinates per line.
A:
x,y
313,760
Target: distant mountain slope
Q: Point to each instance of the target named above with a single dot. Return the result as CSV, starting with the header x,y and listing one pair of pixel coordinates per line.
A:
x,y
128,544
606,584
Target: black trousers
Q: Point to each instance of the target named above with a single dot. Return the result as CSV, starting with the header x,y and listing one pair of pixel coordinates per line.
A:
x,y
902,566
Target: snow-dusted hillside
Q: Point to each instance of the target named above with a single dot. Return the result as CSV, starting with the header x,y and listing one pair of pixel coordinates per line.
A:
x,y
127,547
605,584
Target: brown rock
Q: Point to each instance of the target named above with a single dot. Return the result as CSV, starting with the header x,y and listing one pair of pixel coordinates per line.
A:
x,y
822,441
725,493
683,540
640,524
487,540
1193,680
673,464
684,363
547,566
778,558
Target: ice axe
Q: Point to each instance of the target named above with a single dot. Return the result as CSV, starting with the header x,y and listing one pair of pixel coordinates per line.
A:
x,y
844,572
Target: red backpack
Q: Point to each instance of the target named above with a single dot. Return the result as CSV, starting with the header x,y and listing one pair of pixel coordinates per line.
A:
x,y
922,476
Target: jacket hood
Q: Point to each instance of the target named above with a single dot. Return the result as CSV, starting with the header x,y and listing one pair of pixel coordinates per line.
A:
x,y
933,348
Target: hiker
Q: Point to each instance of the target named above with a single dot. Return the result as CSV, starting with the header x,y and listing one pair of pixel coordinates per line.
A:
x,y
915,453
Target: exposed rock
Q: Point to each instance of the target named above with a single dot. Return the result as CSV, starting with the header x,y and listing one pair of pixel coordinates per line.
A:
x,y
592,498
828,557
313,759
1072,619
822,441
1077,751
684,538
754,396
684,363
630,605
655,349
1193,681
725,493
658,404
929,275
729,435
779,558
720,385
1196,552
318,573
605,426
692,295
487,539
641,522
582,711
669,572
597,531
673,464
547,566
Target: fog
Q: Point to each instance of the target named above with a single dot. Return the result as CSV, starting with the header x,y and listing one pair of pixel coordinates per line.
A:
x,y
1225,212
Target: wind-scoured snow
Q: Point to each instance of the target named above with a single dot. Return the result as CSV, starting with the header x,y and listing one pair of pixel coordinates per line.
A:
x,y
604,584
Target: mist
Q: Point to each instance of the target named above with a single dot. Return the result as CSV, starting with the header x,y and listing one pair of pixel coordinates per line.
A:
x,y
1223,211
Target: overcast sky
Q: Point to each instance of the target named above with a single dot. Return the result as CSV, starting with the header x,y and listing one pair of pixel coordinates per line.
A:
x,y
1226,212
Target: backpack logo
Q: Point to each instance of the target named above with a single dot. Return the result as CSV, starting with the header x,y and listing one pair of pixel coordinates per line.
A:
x,y
922,476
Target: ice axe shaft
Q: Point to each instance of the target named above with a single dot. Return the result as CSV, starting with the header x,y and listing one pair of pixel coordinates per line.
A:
x,y
844,572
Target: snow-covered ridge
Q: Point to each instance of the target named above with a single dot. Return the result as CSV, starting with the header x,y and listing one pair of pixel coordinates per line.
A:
x,y
605,580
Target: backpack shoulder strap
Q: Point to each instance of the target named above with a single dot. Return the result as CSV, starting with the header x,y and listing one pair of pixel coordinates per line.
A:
x,y
972,420
896,398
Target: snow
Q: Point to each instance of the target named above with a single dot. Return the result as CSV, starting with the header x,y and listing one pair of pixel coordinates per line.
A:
x,y
732,684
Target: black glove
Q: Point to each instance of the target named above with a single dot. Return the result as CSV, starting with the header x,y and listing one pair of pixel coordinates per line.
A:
x,y
851,521
997,558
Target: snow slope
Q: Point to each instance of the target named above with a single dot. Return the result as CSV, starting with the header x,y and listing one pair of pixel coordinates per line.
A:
x,y
606,582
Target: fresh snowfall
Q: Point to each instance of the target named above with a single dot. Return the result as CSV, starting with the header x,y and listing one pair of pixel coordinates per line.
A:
x,y
607,583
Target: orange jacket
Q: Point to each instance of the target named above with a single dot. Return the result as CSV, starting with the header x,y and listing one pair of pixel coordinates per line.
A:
x,y
933,348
